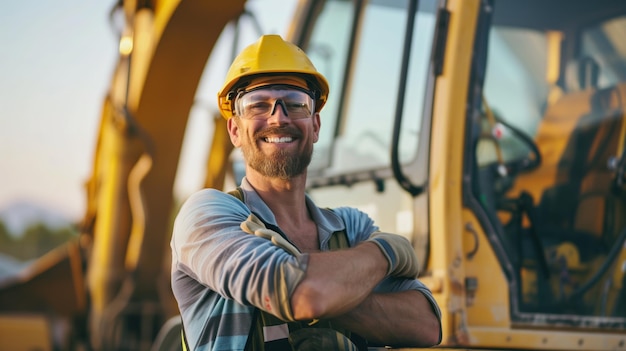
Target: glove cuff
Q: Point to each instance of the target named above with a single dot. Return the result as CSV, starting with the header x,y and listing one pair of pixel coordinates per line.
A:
x,y
387,251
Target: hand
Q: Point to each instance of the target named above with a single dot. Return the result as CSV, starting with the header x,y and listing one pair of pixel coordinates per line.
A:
x,y
399,252
253,225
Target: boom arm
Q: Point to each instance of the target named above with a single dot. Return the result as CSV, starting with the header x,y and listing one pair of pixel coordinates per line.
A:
x,y
124,244
164,48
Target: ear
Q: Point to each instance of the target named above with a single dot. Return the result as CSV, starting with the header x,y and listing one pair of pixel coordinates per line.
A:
x,y
317,124
233,131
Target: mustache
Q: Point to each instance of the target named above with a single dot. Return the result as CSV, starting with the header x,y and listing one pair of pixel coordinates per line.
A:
x,y
292,131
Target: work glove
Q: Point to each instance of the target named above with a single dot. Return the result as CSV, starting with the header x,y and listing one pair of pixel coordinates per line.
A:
x,y
399,252
253,225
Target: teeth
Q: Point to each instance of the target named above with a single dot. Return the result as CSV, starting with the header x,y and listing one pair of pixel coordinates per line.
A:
x,y
279,140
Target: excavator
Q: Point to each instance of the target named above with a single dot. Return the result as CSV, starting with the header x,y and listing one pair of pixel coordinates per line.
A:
x,y
490,133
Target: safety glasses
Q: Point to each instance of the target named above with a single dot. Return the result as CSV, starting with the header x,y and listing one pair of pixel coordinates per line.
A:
x,y
261,103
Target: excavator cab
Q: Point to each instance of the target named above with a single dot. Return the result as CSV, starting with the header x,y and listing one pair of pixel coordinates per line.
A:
x,y
550,156
491,134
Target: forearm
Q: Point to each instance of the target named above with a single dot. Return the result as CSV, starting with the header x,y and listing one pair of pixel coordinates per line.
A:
x,y
401,319
338,281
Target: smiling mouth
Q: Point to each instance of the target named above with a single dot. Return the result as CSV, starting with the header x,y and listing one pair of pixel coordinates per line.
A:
x,y
276,140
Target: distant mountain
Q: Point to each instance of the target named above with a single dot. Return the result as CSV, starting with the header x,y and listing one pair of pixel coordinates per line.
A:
x,y
9,266
21,214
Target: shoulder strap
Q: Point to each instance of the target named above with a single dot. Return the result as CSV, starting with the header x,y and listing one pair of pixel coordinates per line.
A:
x,y
238,193
338,240
183,337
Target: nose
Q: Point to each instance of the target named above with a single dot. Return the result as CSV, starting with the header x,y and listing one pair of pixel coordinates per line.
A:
x,y
279,115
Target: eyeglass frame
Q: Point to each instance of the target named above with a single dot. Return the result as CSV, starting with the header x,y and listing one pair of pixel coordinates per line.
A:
x,y
235,96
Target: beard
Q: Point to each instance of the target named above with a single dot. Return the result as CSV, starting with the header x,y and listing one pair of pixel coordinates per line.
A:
x,y
282,164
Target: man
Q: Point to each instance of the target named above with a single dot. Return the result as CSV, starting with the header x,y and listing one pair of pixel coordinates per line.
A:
x,y
258,273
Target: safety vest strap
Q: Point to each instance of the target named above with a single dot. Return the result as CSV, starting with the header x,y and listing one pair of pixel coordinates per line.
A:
x,y
183,338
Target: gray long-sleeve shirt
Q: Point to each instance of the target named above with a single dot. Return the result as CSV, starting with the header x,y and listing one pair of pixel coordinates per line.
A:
x,y
220,274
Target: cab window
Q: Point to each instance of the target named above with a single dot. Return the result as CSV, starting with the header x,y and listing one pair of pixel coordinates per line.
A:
x,y
358,120
548,156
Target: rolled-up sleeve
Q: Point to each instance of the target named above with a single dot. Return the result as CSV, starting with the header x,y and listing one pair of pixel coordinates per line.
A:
x,y
209,246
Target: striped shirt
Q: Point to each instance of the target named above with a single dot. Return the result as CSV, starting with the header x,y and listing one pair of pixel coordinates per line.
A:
x,y
220,274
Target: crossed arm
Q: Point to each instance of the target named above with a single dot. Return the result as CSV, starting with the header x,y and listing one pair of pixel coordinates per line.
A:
x,y
335,285
339,285
401,319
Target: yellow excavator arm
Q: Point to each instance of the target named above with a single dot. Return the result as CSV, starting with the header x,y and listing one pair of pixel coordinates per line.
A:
x,y
115,277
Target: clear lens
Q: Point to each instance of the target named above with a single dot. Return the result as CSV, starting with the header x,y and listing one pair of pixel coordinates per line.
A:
x,y
264,102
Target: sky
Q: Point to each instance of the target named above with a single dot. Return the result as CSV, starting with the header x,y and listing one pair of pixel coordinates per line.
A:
x,y
56,63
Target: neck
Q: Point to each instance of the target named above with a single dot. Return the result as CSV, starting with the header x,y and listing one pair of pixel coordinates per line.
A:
x,y
286,198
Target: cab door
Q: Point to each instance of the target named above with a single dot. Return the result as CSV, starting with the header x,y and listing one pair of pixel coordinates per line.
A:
x,y
545,188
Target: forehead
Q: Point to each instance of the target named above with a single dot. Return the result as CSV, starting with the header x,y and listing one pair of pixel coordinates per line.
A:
x,y
263,93
277,80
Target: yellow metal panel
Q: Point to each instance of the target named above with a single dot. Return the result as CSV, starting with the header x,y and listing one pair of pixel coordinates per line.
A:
x,y
488,303
533,339
447,254
25,333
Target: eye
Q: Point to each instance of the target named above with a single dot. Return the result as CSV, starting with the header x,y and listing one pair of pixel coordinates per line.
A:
x,y
297,106
259,107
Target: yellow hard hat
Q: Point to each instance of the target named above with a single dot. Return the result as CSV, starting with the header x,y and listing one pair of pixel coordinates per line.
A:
x,y
270,55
